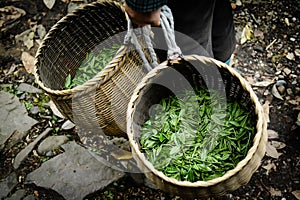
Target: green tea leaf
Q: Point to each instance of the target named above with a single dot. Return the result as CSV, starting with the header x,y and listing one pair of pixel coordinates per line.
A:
x,y
91,66
182,142
68,82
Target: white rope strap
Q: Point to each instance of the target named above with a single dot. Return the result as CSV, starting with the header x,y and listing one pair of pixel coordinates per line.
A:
x,y
131,37
167,23
147,37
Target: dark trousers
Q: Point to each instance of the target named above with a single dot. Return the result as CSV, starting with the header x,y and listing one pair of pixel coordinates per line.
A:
x,y
204,27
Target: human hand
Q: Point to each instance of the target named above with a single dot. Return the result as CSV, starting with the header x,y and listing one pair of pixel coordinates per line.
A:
x,y
143,18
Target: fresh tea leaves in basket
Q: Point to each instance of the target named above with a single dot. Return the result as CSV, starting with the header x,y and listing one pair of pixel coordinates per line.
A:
x,y
195,138
91,66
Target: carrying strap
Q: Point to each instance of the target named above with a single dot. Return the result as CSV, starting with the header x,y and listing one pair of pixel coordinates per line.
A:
x,y
131,37
167,24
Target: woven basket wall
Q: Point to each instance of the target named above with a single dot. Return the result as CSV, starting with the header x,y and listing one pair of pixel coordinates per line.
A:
x,y
100,104
150,92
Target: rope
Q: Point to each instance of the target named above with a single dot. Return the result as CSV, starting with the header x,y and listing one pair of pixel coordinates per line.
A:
x,y
147,37
167,23
131,37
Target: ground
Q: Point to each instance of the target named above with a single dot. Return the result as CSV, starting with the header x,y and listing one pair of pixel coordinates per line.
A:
x,y
267,52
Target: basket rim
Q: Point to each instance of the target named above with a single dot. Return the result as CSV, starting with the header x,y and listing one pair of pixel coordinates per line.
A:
x,y
105,74
259,137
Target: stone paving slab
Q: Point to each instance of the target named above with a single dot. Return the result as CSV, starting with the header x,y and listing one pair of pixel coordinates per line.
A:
x,y
22,155
8,184
13,117
25,87
18,195
52,143
74,173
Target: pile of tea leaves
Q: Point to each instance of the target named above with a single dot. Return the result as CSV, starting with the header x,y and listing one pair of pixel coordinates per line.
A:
x,y
91,66
198,136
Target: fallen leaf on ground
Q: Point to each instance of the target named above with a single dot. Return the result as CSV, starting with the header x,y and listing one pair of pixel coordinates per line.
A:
x,y
49,3
275,192
290,56
238,2
276,93
55,110
272,134
296,193
73,5
122,155
263,83
10,13
250,80
268,167
272,151
233,6
12,68
297,52
293,102
28,62
41,30
287,71
246,34
278,145
68,125
26,37
36,193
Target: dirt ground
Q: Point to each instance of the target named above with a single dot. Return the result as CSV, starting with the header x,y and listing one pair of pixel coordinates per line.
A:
x,y
258,59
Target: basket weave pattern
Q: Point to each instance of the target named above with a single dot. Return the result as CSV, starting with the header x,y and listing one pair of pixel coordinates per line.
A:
x,y
236,87
100,104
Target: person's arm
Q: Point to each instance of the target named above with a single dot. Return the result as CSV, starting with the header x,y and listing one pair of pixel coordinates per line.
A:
x,y
144,12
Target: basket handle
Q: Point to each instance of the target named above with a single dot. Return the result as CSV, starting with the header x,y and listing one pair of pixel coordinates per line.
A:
x,y
131,37
167,24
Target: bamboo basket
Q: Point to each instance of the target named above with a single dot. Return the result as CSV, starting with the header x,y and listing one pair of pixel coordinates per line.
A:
x,y
198,71
100,104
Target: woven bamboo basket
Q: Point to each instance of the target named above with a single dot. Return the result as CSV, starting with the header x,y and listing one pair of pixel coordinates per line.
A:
x,y
101,102
150,92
